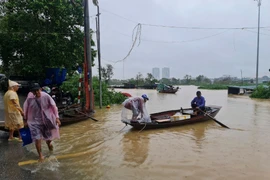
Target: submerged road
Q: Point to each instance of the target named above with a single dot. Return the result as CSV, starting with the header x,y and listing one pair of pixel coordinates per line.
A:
x,y
10,154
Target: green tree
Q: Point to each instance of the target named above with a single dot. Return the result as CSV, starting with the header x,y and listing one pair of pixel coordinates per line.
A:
x,y
165,81
132,81
139,79
175,81
201,79
187,79
150,79
38,34
107,73
108,96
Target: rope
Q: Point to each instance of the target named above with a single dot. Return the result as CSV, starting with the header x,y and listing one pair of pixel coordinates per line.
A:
x,y
123,128
142,128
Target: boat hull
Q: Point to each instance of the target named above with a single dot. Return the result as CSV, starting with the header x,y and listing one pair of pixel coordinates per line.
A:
x,y
166,114
69,116
171,91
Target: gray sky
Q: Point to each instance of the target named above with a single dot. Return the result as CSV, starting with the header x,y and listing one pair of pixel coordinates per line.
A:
x,y
209,52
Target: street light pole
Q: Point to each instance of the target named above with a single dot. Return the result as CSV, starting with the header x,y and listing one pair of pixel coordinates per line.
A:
x,y
258,41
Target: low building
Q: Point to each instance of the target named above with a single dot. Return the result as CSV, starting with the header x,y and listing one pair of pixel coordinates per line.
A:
x,y
240,90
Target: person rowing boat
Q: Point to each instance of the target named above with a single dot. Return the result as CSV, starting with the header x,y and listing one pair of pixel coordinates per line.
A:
x,y
198,103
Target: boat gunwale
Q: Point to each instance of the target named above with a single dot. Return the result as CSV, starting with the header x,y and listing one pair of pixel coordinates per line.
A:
x,y
194,119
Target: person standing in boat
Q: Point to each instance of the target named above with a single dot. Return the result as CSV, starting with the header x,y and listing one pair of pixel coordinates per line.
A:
x,y
41,115
198,103
137,106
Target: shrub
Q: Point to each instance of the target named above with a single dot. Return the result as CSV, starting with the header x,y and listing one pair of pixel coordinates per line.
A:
x,y
108,96
261,92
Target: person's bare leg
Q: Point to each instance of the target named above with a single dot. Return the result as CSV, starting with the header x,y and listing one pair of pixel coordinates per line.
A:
x,y
11,132
38,147
19,135
50,146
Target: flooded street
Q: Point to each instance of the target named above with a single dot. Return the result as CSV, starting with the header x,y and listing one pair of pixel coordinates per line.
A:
x,y
99,150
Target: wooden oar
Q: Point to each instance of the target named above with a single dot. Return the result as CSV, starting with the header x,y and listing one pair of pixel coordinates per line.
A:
x,y
214,119
86,115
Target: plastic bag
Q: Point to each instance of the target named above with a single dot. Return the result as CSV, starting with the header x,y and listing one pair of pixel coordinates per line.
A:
x,y
26,136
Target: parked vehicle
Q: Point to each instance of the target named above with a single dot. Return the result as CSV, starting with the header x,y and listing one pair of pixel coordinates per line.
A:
x,y
2,76
61,98
3,82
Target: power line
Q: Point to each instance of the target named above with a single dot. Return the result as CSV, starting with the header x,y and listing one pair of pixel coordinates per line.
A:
x,y
119,16
266,29
135,38
175,42
180,27
256,32
205,28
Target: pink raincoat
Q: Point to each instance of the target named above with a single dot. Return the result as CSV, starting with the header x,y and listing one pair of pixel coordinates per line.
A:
x,y
37,115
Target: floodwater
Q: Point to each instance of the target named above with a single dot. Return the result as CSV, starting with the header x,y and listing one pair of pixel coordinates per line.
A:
x,y
99,150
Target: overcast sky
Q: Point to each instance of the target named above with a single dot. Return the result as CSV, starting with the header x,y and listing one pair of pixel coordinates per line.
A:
x,y
209,52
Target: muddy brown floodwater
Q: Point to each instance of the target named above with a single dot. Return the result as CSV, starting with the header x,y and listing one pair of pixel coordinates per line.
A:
x,y
97,150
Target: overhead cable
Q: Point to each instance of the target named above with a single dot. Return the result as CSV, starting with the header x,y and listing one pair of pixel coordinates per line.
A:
x,y
185,27
136,36
179,27
175,42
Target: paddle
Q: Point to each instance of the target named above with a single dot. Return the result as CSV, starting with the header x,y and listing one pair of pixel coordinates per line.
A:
x,y
214,119
87,115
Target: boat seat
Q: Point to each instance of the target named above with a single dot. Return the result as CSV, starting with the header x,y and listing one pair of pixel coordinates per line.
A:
x,y
163,120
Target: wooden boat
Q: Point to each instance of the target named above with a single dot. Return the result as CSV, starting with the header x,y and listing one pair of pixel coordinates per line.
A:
x,y
163,88
69,115
67,119
170,91
72,114
162,119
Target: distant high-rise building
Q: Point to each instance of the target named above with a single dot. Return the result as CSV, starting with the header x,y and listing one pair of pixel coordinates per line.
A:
x,y
166,72
156,73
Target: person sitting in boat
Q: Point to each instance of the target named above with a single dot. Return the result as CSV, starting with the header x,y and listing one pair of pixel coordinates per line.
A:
x,y
137,106
198,103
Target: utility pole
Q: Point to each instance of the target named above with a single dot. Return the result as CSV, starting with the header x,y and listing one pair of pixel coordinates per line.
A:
x,y
258,41
99,64
88,53
123,70
242,78
95,2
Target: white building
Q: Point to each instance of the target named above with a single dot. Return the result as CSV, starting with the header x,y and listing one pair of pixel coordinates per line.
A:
x,y
166,72
156,73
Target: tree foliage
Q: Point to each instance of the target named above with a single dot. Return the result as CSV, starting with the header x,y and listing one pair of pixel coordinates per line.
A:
x,y
187,78
139,79
150,79
38,34
261,92
108,96
107,73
